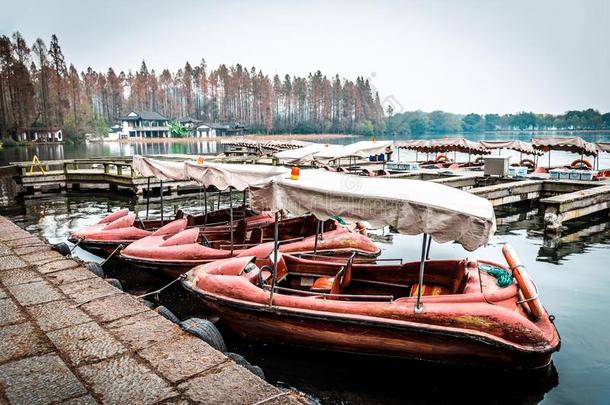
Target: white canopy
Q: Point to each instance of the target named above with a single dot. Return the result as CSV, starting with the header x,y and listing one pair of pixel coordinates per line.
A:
x,y
300,155
410,206
361,149
225,175
161,169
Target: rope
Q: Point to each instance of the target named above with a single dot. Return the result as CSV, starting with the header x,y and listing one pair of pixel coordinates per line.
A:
x,y
503,277
339,219
75,245
281,394
162,288
111,254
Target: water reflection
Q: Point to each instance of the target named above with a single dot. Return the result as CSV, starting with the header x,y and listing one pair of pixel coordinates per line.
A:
x,y
55,152
571,273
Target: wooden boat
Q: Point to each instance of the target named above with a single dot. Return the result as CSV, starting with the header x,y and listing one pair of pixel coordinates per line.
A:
x,y
461,311
175,255
122,227
371,309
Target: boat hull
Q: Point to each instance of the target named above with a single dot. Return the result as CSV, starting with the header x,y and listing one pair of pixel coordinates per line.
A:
x,y
336,333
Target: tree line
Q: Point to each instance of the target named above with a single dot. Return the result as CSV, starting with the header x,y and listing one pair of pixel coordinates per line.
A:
x,y
38,88
419,122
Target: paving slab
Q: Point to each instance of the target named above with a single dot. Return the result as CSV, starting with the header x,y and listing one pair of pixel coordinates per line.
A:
x,y
226,385
145,329
21,340
114,307
57,314
22,242
122,380
85,343
183,358
42,257
88,290
69,276
11,262
10,312
19,276
39,380
26,250
13,233
36,292
58,265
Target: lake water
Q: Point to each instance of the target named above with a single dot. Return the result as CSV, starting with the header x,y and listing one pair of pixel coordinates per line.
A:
x,y
572,273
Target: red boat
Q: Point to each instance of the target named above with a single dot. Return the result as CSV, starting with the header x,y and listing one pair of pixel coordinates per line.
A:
x,y
460,311
122,228
177,254
372,308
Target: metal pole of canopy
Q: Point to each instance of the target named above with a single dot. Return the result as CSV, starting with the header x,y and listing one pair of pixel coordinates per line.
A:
x,y
243,203
416,156
147,197
428,248
315,244
549,158
231,216
161,188
422,263
200,204
205,200
218,207
276,237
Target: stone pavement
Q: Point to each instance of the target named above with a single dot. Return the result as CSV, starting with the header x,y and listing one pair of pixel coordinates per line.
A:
x,y
67,336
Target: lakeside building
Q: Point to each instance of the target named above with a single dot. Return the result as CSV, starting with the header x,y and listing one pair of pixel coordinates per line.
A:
x,y
39,134
144,124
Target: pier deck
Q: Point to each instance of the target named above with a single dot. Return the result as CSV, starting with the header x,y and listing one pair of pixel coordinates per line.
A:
x,y
67,336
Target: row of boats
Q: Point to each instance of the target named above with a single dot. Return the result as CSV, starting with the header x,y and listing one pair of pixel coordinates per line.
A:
x,y
295,266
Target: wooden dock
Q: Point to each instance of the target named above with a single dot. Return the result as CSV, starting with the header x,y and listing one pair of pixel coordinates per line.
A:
x,y
95,173
559,200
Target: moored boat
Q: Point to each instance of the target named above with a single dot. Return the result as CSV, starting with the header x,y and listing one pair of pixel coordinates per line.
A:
x,y
371,309
175,255
122,227
463,311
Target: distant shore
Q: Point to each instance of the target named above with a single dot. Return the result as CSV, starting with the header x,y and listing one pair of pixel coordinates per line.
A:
x,y
256,137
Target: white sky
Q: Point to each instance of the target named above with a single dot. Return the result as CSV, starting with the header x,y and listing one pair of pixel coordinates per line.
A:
x,y
467,56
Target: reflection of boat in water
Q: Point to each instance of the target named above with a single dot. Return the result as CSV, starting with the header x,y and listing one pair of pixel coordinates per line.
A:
x,y
341,378
450,311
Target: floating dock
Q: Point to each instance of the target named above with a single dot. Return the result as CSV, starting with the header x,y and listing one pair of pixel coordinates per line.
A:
x,y
68,336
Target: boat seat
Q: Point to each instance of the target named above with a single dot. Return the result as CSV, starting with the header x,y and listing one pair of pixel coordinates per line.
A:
x,y
335,285
429,290
241,229
256,236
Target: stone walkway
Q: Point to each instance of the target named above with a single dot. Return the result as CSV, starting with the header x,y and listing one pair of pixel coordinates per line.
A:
x,y
67,336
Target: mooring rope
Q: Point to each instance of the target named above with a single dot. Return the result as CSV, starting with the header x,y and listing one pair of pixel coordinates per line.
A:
x,y
182,276
271,398
75,245
111,254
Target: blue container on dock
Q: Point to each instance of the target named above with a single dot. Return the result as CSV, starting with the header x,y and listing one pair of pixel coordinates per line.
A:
x,y
554,174
517,171
574,174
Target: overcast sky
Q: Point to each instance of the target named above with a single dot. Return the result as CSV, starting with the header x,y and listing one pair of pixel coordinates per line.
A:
x,y
457,56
